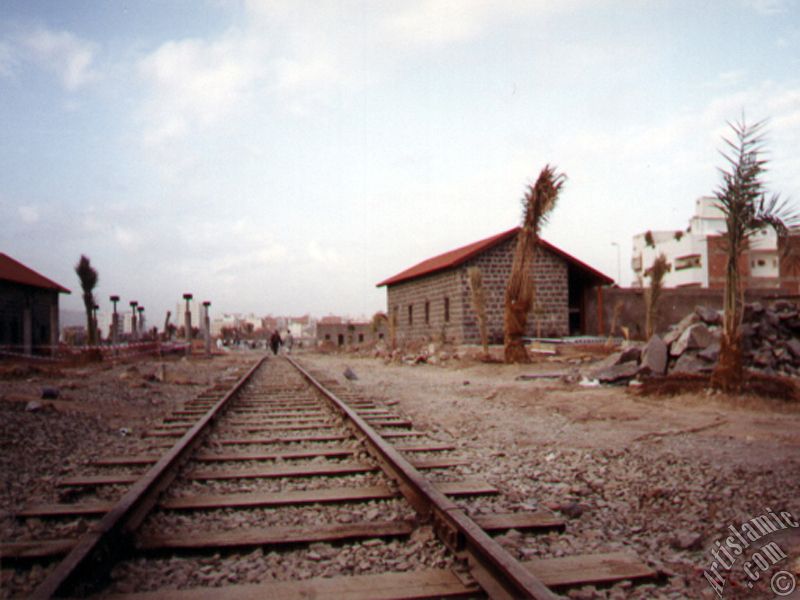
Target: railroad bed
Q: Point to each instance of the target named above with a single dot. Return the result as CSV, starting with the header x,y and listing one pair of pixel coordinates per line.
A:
x,y
287,485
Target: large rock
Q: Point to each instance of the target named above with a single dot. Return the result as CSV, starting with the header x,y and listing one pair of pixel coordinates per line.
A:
x,y
694,337
630,354
711,353
617,373
793,346
690,363
709,316
654,357
677,330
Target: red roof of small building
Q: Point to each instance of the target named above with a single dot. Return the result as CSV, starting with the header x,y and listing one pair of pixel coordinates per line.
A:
x,y
12,270
456,257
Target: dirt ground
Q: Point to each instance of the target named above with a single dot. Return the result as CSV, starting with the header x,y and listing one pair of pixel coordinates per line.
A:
x,y
662,477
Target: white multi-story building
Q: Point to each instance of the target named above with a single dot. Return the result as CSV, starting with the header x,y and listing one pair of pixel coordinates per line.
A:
x,y
695,255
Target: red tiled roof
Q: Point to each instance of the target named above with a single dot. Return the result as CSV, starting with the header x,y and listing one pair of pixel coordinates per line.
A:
x,y
12,270
456,257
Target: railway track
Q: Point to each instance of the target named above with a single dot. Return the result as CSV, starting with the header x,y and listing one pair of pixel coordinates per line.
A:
x,y
287,485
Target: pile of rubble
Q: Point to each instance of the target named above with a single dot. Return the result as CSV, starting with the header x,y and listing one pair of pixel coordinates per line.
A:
x,y
769,339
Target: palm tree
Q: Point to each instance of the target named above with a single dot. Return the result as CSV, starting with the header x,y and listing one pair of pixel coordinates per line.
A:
x,y
478,294
743,200
538,202
88,278
652,294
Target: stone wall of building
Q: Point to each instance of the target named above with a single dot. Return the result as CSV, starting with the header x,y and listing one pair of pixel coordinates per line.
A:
x,y
349,333
550,319
39,306
460,324
435,304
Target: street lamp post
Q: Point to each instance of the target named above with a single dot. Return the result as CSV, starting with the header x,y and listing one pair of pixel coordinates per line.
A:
x,y
134,333
207,327
114,320
95,337
187,321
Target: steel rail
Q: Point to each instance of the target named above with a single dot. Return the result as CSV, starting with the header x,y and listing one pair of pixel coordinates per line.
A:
x,y
111,537
496,571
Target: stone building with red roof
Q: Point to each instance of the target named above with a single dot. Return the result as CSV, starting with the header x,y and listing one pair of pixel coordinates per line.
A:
x,y
28,309
431,300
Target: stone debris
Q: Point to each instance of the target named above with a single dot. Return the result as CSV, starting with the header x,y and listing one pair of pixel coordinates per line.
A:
x,y
349,374
769,341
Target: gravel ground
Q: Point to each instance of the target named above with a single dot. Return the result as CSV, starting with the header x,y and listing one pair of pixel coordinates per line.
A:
x,y
101,410
661,477
627,472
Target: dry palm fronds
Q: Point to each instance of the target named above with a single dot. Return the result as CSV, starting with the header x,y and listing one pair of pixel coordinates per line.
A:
x,y
652,294
539,201
615,314
479,304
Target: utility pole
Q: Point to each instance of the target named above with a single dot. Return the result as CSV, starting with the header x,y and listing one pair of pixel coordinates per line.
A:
x,y
114,321
187,321
134,333
207,327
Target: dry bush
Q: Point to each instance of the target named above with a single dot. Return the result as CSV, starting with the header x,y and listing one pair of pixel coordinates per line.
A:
x,y
757,384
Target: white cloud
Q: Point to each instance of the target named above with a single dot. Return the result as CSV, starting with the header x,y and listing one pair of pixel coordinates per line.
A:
x,y
196,84
63,53
28,214
326,256
769,7
434,23
127,238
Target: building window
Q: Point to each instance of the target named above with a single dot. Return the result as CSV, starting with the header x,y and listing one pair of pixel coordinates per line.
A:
x,y
427,313
327,336
360,337
691,261
447,310
410,314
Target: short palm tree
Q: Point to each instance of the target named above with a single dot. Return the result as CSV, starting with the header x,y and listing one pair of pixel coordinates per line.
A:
x,y
88,278
538,202
652,294
743,200
478,294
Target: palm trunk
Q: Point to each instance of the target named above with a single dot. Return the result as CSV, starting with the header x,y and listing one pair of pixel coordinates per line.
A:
x,y
91,325
519,298
729,372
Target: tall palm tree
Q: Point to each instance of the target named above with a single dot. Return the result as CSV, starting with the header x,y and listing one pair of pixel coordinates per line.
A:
x,y
88,278
748,210
539,201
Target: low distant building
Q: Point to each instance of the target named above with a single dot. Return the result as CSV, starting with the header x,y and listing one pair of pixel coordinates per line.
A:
x,y
432,301
344,333
28,309
697,256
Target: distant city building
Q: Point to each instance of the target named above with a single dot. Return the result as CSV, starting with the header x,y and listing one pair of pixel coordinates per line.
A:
x,y
697,255
339,332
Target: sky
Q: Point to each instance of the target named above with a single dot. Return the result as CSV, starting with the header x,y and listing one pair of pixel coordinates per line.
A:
x,y
283,157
